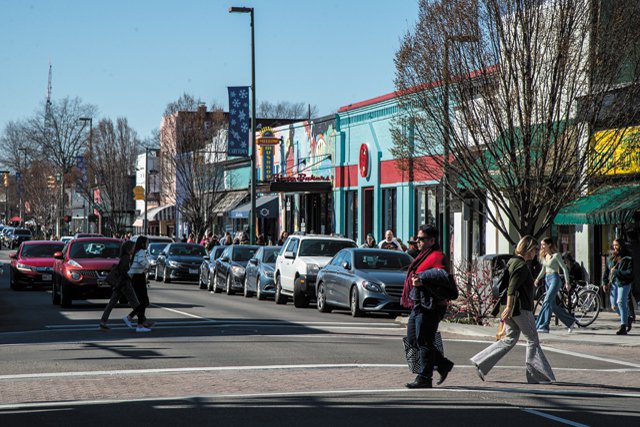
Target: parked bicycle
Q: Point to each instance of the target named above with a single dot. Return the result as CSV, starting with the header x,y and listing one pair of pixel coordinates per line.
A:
x,y
582,301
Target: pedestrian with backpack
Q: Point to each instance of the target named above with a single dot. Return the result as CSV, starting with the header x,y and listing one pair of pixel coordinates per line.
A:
x,y
516,311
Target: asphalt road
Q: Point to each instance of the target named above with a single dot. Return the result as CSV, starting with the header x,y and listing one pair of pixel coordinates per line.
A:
x,y
219,359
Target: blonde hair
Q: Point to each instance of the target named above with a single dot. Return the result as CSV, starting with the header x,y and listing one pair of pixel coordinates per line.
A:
x,y
551,248
525,245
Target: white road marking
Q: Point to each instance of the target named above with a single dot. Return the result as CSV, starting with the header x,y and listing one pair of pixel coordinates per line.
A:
x,y
554,418
589,356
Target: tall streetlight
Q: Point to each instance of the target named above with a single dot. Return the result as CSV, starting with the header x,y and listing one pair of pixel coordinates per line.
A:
x,y
90,120
145,226
22,210
5,177
252,212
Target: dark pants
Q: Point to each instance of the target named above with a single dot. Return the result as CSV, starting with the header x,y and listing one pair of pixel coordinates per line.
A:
x,y
421,332
139,283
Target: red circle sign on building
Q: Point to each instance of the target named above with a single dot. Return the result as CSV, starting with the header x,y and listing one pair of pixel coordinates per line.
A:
x,y
364,161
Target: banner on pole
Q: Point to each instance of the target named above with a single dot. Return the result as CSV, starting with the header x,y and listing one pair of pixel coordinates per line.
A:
x,y
239,121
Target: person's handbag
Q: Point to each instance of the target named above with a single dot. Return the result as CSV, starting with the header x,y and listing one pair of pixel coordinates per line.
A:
x,y
412,353
114,278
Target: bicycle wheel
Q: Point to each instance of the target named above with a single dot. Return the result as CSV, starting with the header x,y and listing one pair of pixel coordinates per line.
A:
x,y
538,305
587,307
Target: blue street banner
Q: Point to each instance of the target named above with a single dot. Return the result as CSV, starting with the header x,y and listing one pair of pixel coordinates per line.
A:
x,y
239,121
81,180
19,180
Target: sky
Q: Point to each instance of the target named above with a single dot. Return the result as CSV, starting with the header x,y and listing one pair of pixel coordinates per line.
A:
x,y
130,58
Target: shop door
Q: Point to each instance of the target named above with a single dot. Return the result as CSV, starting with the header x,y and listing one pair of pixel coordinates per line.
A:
x,y
367,212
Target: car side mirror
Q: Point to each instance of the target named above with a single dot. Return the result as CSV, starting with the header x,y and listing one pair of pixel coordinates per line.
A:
x,y
253,261
346,265
224,259
206,257
14,255
289,255
58,255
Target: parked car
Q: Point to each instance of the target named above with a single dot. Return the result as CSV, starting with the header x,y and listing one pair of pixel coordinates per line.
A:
x,y
80,269
230,268
32,264
81,235
179,261
65,239
207,268
259,273
298,263
153,250
17,236
363,280
153,239
4,236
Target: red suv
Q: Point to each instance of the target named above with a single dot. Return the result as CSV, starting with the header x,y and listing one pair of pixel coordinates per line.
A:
x,y
32,264
81,268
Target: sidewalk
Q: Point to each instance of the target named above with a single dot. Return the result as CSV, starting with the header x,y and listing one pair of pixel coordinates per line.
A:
x,y
600,332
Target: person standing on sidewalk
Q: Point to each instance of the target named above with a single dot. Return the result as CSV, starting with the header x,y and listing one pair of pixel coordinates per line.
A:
x,y
617,278
425,317
137,272
122,287
517,314
552,263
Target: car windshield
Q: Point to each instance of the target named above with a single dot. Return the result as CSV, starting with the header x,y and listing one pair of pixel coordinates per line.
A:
x,y
45,250
323,247
245,253
156,248
269,255
22,232
95,250
187,250
383,260
216,252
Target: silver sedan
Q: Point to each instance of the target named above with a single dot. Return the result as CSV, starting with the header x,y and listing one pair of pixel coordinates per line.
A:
x,y
363,280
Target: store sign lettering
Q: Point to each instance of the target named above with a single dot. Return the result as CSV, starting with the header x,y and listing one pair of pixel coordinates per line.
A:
x,y
299,178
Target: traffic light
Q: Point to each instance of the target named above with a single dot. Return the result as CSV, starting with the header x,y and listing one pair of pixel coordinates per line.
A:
x,y
67,218
6,180
51,182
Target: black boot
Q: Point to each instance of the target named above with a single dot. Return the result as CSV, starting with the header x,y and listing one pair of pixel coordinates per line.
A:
x,y
629,322
420,382
622,330
444,371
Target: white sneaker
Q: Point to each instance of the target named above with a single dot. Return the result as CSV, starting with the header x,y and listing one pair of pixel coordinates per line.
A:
x,y
127,321
572,327
141,328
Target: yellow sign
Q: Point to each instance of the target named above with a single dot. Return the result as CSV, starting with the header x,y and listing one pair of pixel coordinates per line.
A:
x,y
623,148
138,193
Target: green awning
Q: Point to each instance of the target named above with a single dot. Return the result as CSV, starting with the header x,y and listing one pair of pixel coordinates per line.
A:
x,y
609,205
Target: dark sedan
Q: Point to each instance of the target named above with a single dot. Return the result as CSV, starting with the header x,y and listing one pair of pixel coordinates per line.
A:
x,y
207,268
363,280
32,264
259,273
179,261
153,250
18,236
230,268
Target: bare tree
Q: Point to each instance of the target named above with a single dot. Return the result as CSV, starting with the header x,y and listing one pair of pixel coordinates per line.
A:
x,y
528,83
112,164
285,110
193,143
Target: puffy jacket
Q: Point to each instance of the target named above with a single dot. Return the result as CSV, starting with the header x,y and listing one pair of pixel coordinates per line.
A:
x,y
140,263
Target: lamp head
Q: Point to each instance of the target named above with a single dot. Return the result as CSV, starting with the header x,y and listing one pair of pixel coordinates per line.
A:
x,y
240,10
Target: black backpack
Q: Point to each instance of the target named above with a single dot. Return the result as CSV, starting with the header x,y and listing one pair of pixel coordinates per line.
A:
x,y
500,283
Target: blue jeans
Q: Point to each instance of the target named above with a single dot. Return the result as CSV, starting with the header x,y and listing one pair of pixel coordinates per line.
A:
x,y
549,305
620,300
421,332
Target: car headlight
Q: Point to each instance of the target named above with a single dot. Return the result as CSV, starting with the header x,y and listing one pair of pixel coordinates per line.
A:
x,y
237,270
75,275
152,262
312,268
371,286
268,273
24,267
173,264
74,264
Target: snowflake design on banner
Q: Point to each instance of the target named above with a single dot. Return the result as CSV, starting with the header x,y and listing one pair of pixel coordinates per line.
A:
x,y
238,121
244,94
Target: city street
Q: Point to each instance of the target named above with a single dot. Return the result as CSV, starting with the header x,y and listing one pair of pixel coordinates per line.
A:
x,y
218,359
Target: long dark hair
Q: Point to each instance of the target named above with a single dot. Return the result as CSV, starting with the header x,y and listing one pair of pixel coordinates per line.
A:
x,y
141,243
622,252
125,249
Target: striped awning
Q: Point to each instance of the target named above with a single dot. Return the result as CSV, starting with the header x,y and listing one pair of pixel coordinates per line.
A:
x,y
160,213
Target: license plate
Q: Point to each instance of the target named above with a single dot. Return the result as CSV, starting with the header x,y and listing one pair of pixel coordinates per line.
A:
x,y
103,284
46,277
193,271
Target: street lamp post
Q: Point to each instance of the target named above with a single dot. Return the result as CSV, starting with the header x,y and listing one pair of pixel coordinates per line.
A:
x,y
90,120
22,210
252,213
5,176
145,225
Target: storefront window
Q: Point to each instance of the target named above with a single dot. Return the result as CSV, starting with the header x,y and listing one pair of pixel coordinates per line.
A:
x,y
389,209
426,206
351,215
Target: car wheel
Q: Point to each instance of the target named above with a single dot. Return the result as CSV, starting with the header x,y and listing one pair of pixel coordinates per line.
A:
x,y
354,304
55,296
280,299
65,295
217,287
12,281
322,305
247,292
166,275
203,284
259,294
157,276
300,299
209,283
228,289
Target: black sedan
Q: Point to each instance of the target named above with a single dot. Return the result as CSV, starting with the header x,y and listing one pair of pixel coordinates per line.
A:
x,y
153,250
259,273
363,280
180,261
230,268
18,236
207,268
